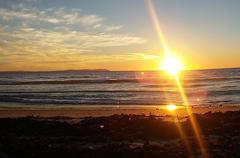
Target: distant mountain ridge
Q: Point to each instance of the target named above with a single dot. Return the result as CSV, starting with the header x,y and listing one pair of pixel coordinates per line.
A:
x,y
80,70
106,70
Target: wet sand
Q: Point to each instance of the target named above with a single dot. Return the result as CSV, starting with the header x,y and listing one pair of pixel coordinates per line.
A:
x,y
84,111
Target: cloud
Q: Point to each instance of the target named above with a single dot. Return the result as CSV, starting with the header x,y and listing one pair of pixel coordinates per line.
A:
x,y
58,16
56,34
36,44
113,28
73,41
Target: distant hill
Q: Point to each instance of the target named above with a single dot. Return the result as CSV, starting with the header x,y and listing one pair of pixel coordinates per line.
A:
x,y
81,70
87,70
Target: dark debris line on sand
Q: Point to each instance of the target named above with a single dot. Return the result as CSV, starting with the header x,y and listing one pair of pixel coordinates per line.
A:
x,y
132,136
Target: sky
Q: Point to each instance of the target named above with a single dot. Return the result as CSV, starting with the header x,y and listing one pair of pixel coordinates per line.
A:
x,y
40,35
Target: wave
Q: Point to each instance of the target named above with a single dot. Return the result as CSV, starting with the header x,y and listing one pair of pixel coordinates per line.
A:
x,y
111,81
115,97
225,92
171,85
214,79
88,91
190,92
80,102
100,81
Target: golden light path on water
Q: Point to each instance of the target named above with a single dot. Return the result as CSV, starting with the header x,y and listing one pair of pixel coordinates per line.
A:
x,y
171,107
172,65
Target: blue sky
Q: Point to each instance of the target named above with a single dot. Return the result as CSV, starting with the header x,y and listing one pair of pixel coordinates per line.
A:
x,y
117,35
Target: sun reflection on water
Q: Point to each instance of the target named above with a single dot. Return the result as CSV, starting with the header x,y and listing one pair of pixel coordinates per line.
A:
x,y
171,107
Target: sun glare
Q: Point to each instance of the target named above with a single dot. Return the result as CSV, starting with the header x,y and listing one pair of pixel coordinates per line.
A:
x,y
171,107
172,65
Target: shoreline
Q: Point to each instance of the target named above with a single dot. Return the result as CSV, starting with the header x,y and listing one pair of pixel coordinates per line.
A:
x,y
97,111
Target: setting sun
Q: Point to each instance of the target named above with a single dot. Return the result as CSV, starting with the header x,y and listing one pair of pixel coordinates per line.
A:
x,y
172,65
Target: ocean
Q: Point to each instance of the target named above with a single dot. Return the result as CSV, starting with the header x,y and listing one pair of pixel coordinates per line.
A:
x,y
122,88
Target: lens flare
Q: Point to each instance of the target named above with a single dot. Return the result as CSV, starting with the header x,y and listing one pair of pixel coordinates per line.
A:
x,y
171,107
174,66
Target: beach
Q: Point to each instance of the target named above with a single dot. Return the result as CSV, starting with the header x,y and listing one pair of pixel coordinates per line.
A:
x,y
96,111
119,135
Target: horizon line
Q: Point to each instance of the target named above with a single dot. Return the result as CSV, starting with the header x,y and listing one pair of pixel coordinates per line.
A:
x,y
105,70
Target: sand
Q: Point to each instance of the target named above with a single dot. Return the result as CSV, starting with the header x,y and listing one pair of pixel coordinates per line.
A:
x,y
123,135
95,111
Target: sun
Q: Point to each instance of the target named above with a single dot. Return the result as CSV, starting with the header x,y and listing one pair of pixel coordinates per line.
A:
x,y
172,65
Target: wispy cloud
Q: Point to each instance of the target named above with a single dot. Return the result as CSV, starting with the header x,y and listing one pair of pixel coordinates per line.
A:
x,y
56,34
58,16
64,40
